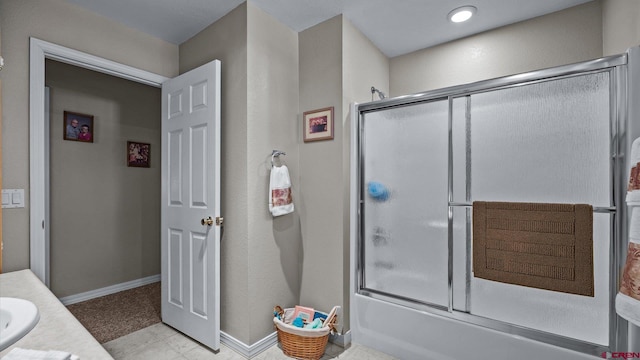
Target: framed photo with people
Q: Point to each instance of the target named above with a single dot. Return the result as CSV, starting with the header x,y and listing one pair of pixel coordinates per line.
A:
x,y
138,154
78,127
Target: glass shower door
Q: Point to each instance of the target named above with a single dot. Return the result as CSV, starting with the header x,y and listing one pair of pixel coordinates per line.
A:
x,y
545,142
405,203
556,137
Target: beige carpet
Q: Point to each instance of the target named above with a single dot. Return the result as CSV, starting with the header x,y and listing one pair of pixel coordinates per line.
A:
x,y
112,316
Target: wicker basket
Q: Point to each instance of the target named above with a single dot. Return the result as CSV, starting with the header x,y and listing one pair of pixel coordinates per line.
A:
x,y
301,343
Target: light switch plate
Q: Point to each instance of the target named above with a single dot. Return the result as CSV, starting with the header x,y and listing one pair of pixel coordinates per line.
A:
x,y
12,198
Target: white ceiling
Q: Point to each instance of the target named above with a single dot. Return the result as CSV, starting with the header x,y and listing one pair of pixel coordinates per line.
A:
x,y
396,26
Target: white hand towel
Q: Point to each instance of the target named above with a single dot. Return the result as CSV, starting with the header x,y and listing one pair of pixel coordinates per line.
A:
x,y
280,200
628,298
26,354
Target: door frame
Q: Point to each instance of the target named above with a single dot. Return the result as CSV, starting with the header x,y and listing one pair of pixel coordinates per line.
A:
x,y
39,225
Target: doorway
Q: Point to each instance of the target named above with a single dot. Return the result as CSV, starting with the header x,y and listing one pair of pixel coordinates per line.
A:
x,y
198,255
38,145
104,212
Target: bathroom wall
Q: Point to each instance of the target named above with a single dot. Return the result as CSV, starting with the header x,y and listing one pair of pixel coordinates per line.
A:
x,y
338,66
620,25
68,25
563,37
105,216
226,40
261,255
276,260
321,168
1,244
275,250
364,65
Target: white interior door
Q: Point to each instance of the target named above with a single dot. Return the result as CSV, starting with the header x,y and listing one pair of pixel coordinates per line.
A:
x,y
190,196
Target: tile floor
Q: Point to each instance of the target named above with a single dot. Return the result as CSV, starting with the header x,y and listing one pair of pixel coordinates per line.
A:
x,y
161,342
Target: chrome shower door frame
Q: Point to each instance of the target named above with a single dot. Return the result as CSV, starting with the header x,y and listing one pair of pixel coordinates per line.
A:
x,y
620,143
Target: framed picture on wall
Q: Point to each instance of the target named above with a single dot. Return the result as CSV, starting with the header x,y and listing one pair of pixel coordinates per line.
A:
x,y
138,154
78,127
318,125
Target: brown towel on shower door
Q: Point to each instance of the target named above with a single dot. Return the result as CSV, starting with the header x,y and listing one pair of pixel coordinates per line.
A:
x,y
546,246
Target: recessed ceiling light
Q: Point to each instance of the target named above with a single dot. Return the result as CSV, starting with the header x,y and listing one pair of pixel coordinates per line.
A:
x,y
461,14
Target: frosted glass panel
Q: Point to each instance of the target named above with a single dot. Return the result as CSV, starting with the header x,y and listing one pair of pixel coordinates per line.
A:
x,y
579,317
461,262
545,142
404,241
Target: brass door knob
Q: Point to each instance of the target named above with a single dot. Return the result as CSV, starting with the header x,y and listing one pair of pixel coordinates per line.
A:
x,y
208,221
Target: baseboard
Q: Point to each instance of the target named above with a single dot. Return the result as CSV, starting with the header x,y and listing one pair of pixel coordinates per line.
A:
x,y
72,299
248,351
342,340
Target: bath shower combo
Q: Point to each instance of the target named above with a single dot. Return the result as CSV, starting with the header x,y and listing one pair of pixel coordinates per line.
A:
x,y
558,135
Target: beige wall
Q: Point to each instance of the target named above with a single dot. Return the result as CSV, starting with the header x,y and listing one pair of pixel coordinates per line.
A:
x,y
67,25
105,216
1,187
301,258
260,255
338,66
364,65
226,40
563,37
275,251
620,25
321,166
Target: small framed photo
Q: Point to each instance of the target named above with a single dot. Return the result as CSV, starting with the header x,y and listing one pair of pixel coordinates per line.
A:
x,y
318,125
78,127
138,154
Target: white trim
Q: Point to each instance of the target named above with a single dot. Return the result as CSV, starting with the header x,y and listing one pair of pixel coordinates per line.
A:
x,y
96,63
342,340
72,299
38,151
248,351
47,181
37,241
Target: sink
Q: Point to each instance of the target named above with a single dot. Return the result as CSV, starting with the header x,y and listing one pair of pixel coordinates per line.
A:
x,y
17,318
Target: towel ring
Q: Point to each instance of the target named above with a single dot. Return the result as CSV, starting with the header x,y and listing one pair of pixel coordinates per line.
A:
x,y
275,153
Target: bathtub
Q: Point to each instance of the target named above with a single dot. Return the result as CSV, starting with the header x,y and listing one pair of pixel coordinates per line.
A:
x,y
406,333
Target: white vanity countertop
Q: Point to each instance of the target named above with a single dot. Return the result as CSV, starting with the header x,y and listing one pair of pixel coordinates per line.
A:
x,y
57,329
